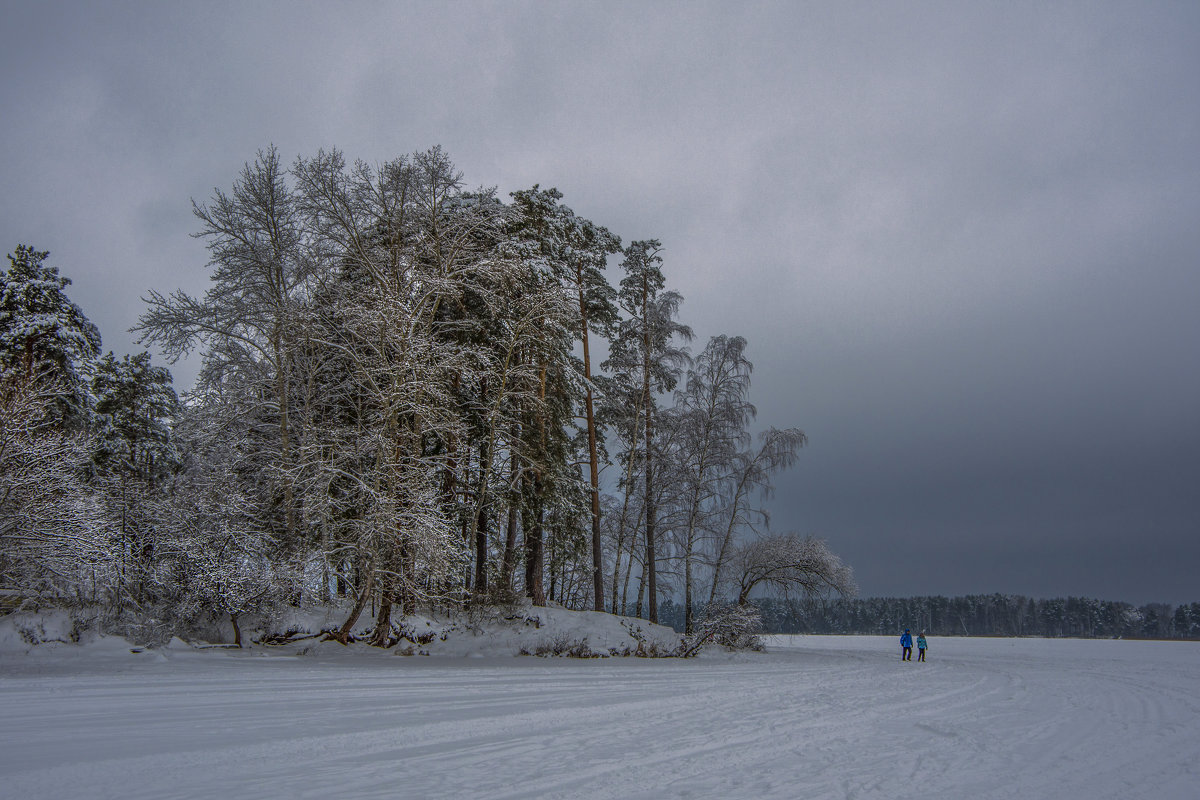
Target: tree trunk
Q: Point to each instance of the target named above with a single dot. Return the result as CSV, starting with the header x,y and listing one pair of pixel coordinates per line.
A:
x,y
621,527
289,499
688,625
237,631
534,557
343,586
481,520
383,622
625,583
641,592
719,565
509,562
408,581
534,539
326,572
481,552
464,519
593,459
343,634
651,566
616,573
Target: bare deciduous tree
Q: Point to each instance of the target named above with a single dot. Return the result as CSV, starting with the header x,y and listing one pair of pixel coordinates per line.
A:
x,y
261,272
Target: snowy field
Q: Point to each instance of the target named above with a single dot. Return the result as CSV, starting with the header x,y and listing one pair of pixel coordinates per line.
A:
x,y
816,717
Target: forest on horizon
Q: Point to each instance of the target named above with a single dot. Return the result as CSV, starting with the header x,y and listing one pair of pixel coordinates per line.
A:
x,y
972,615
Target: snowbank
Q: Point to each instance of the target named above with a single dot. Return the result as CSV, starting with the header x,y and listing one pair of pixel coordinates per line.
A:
x,y
23,630
521,630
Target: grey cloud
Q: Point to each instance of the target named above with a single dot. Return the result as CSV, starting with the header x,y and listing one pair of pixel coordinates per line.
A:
x,y
960,239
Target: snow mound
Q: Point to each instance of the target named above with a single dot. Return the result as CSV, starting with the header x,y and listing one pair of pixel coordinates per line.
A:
x,y
521,630
23,630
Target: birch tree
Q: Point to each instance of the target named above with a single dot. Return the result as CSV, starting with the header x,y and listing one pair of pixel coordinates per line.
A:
x,y
710,417
750,478
369,222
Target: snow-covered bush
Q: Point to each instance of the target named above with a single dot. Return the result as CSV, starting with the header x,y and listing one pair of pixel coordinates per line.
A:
x,y
54,534
562,645
736,627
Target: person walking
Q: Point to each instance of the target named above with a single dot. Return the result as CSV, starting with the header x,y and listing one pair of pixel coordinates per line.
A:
x,y
906,643
922,646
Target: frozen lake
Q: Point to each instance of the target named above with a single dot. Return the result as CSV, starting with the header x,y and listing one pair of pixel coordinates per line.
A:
x,y
817,717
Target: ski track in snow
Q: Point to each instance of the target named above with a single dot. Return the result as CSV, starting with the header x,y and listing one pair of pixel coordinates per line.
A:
x,y
816,717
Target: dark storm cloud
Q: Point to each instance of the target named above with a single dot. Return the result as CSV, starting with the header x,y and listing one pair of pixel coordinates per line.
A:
x,y
961,239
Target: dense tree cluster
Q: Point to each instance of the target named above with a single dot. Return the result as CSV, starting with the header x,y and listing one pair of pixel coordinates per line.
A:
x,y
83,441
974,615
397,404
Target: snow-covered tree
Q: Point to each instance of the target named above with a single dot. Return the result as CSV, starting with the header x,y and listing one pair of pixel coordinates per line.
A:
x,y
392,389
578,250
53,529
546,411
44,336
134,453
54,533
218,557
710,417
413,278
247,323
789,563
750,477
736,627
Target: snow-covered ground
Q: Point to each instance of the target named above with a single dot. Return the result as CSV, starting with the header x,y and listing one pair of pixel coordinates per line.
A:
x,y
815,717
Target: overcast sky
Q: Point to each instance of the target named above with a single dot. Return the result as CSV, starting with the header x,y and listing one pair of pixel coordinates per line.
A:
x,y
962,239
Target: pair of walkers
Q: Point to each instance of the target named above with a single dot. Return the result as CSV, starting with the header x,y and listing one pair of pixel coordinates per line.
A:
x,y
906,643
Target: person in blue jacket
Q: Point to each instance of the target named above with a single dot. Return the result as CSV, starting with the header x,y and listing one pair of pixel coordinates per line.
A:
x,y
906,643
922,646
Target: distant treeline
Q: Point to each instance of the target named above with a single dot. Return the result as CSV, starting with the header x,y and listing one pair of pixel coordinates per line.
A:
x,y
973,615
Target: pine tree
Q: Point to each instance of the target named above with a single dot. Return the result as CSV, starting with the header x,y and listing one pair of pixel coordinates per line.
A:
x,y
45,336
134,451
577,250
53,528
